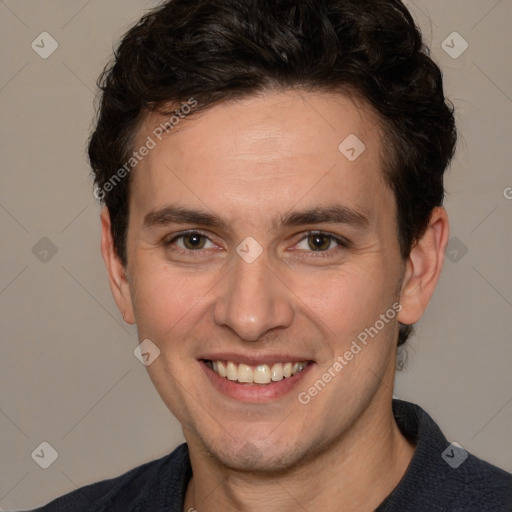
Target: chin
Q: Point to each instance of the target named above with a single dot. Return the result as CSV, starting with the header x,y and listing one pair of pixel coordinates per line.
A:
x,y
257,458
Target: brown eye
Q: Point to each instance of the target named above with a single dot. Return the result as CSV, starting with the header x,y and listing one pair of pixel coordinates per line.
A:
x,y
194,241
190,241
319,242
322,243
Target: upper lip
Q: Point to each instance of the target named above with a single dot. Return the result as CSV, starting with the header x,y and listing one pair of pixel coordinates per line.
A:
x,y
254,359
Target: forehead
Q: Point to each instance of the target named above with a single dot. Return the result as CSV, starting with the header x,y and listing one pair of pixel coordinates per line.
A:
x,y
265,153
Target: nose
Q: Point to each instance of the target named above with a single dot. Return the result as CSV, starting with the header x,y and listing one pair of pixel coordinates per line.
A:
x,y
253,300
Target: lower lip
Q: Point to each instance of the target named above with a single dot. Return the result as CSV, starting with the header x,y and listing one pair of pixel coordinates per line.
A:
x,y
255,393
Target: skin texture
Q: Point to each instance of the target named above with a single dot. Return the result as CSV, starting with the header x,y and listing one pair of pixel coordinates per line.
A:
x,y
251,162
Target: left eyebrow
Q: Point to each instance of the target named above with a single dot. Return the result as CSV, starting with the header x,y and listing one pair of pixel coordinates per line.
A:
x,y
333,214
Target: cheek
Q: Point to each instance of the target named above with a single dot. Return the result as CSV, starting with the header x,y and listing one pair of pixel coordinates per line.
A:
x,y
165,300
346,299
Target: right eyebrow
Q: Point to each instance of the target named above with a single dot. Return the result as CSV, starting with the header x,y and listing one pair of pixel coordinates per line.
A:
x,y
174,214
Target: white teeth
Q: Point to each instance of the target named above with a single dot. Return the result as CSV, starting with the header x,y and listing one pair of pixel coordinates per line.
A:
x,y
260,374
232,371
276,372
221,368
245,373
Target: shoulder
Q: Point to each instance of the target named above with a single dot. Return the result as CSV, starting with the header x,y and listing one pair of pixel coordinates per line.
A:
x,y
474,485
151,486
443,476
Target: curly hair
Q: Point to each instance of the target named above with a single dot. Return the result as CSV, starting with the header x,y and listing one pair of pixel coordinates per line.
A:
x,y
218,50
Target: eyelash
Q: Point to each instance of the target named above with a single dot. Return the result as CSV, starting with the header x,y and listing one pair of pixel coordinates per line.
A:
x,y
342,242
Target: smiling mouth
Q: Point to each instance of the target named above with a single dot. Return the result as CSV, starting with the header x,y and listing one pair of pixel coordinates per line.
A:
x,y
258,374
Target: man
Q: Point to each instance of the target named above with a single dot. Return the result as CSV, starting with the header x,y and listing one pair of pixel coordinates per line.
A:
x,y
272,175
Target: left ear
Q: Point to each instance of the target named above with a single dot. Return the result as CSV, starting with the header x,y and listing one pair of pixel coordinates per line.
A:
x,y
423,268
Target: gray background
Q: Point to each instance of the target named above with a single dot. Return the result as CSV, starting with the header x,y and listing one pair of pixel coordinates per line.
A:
x,y
67,371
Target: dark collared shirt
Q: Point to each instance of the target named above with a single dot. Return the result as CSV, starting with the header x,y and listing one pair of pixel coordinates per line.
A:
x,y
441,477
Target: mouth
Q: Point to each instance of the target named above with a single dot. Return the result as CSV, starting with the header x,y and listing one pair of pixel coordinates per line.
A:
x,y
262,374
258,382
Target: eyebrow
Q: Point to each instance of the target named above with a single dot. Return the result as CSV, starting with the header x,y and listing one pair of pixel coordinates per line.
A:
x,y
332,214
181,215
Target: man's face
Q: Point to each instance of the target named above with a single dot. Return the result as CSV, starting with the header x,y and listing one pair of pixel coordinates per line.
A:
x,y
257,287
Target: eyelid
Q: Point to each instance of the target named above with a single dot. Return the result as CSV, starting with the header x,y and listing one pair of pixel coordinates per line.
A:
x,y
170,239
340,240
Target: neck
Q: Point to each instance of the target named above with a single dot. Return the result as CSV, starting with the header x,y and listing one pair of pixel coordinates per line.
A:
x,y
354,473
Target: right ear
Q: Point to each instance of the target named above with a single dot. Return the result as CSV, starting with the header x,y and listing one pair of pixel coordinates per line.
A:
x,y
116,271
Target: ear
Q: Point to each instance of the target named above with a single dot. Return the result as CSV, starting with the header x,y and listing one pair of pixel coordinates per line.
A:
x,y
116,271
423,268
